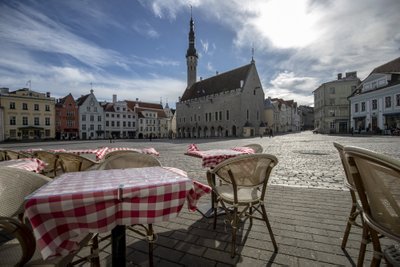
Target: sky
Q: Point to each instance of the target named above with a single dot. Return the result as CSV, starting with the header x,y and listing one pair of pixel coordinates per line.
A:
x,y
136,48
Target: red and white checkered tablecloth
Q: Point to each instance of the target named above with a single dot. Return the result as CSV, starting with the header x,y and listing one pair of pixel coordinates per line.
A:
x,y
96,201
211,158
29,164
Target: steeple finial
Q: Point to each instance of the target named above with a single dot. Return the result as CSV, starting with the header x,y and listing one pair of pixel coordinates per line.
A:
x,y
252,54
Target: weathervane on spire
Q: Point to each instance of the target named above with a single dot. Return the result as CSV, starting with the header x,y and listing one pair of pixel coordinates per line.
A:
x,y
91,88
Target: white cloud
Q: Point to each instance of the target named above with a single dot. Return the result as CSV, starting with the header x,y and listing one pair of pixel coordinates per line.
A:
x,y
146,29
204,45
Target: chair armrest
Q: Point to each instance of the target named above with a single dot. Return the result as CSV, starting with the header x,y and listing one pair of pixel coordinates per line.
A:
x,y
23,234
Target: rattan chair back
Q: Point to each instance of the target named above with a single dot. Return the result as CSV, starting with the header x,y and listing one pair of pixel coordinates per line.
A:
x,y
12,154
250,170
15,185
74,163
118,152
129,160
52,162
377,180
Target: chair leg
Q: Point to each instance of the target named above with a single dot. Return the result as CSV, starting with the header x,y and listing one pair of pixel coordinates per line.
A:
x,y
363,246
350,221
234,230
95,261
151,244
215,211
377,256
271,234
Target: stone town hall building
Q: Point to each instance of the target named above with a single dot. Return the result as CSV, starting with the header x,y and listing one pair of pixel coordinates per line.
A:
x,y
228,104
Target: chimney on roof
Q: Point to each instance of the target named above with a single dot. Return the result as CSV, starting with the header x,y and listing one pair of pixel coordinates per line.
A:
x,y
47,94
216,73
339,76
201,78
114,98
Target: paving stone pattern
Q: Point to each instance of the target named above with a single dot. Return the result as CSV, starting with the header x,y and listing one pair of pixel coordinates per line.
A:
x,y
307,205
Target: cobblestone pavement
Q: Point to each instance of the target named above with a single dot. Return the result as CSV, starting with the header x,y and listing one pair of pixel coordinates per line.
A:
x,y
305,159
306,203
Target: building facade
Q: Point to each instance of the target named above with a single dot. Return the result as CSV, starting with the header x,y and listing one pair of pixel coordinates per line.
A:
x,y
331,104
67,118
281,115
120,119
306,117
375,105
228,104
151,119
27,114
91,117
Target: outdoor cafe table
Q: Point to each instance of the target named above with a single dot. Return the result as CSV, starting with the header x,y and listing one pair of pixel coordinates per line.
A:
x,y
211,158
107,200
101,152
29,164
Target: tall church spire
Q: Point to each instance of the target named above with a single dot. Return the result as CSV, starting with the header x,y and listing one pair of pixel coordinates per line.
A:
x,y
191,55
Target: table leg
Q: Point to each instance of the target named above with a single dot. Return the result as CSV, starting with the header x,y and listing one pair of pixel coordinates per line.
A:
x,y
118,246
207,210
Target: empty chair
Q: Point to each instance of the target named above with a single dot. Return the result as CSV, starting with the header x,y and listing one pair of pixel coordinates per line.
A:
x,y
74,163
377,180
52,161
256,147
118,152
243,191
128,160
19,249
11,154
356,208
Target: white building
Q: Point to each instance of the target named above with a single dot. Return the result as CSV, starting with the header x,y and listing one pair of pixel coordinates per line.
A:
x,y
91,117
120,120
281,115
375,104
151,119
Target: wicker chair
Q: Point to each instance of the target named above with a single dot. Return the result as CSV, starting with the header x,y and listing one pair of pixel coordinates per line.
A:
x,y
243,191
118,152
356,207
11,154
53,164
3,155
377,180
129,159
74,163
256,147
18,245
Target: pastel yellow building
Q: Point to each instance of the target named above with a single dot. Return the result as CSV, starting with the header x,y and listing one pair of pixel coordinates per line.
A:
x,y
27,114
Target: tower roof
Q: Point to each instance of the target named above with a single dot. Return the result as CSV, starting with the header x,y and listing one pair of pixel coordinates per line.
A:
x,y
191,51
